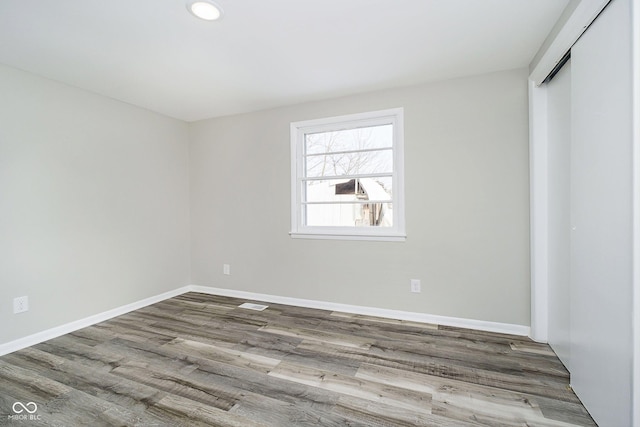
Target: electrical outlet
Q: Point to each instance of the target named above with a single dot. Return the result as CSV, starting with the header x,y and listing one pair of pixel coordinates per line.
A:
x,y
226,269
20,304
415,285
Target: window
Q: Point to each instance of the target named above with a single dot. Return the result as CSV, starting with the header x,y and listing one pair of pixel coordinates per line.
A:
x,y
347,177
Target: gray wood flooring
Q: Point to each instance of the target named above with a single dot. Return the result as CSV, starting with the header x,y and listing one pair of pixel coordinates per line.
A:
x,y
199,360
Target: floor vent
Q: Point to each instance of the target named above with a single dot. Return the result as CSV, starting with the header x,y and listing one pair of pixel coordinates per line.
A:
x,y
251,306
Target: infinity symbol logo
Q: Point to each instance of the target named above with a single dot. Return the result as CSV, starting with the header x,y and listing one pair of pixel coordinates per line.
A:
x,y
22,407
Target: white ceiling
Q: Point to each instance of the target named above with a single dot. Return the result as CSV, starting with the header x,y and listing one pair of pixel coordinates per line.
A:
x,y
265,53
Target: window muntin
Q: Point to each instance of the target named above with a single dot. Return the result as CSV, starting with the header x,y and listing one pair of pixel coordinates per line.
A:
x,y
347,176
349,163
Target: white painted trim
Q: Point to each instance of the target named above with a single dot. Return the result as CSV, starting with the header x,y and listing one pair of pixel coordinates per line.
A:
x,y
48,334
635,385
328,236
298,130
539,222
481,325
581,17
584,14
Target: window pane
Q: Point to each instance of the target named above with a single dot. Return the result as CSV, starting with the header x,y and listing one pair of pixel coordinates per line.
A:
x,y
355,163
349,215
349,139
345,190
347,177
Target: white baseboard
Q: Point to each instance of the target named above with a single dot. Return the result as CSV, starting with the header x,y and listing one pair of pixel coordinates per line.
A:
x,y
504,328
48,334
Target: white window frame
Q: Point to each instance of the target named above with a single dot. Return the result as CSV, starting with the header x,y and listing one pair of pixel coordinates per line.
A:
x,y
397,232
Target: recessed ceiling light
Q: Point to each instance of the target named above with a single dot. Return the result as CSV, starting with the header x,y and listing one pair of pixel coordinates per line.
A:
x,y
206,10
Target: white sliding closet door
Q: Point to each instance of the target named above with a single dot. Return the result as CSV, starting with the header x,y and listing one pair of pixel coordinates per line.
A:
x,y
559,176
601,217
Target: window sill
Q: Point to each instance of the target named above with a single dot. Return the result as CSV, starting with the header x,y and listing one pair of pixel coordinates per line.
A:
x,y
369,237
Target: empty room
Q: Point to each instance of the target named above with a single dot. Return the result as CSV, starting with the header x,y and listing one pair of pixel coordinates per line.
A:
x,y
335,213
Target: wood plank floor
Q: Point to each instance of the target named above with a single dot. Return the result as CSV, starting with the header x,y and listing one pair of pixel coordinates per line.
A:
x,y
199,360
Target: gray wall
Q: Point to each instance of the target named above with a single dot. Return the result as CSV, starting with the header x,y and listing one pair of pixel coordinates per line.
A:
x,y
93,203
467,202
95,200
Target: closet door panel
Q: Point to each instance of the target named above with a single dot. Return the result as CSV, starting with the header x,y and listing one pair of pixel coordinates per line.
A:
x,y
559,161
601,209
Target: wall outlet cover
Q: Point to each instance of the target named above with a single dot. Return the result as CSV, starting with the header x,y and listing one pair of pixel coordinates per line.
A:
x,y
20,304
415,285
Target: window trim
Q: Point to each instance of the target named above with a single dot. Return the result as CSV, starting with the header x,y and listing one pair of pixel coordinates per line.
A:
x,y
299,129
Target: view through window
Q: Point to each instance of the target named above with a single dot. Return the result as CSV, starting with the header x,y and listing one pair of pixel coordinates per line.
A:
x,y
345,171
